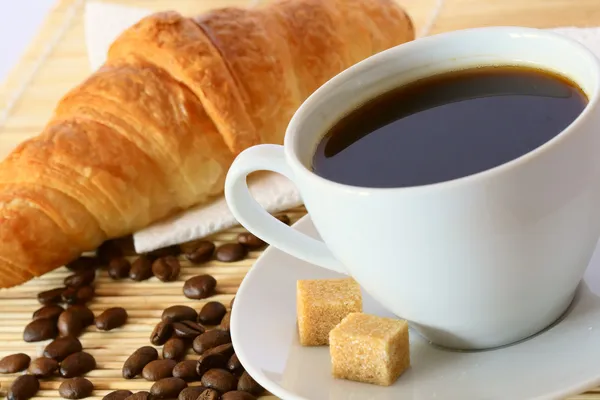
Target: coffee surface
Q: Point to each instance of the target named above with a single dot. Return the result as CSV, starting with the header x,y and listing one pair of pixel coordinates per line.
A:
x,y
448,126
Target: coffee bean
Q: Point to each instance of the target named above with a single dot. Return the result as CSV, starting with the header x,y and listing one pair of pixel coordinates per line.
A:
x,y
23,388
83,263
119,268
167,387
80,278
212,313
125,243
79,295
52,296
108,251
187,329
85,314
143,395
76,388
77,364
43,367
209,394
231,252
210,361
247,384
164,252
118,395
210,339
199,252
199,287
141,269
40,329
234,364
161,333
225,322
219,379
226,350
186,370
179,313
14,363
74,320
250,241
191,393
62,347
283,218
174,349
135,363
158,369
51,311
237,395
166,268
111,318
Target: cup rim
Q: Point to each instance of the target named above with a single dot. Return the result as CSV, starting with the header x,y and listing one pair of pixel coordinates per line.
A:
x,y
295,125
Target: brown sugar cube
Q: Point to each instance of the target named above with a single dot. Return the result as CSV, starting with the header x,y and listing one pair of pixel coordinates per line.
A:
x,y
321,304
370,349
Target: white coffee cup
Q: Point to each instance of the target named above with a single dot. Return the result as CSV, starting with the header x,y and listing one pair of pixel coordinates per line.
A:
x,y
473,263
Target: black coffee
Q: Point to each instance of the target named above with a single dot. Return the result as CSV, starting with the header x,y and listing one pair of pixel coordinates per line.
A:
x,y
448,126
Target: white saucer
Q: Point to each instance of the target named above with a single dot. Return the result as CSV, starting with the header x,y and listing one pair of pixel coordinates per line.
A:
x,y
564,360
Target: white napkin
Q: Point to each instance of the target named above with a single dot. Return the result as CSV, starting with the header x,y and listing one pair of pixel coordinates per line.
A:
x,y
103,23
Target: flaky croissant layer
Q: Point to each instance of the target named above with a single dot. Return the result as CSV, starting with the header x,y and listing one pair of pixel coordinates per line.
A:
x,y
155,129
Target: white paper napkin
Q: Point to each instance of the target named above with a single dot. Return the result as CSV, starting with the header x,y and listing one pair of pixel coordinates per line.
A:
x,y
103,23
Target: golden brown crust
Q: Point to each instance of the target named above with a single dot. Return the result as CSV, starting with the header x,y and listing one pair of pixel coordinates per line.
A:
x,y
154,130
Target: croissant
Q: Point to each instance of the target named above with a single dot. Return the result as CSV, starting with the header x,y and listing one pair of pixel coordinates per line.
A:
x,y
154,130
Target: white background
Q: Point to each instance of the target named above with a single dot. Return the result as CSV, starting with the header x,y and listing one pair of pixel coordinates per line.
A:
x,y
19,23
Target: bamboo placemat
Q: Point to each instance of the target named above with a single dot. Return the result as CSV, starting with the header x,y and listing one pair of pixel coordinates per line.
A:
x,y
56,60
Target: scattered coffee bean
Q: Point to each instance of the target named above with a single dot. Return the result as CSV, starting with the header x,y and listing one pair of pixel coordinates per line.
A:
x,y
164,252
43,367
199,252
210,339
79,295
118,395
62,347
234,364
73,321
141,269
199,287
225,322
158,369
187,329
231,252
166,268
51,311
40,329
135,363
161,333
219,379
283,218
76,388
143,395
179,313
226,350
237,395
77,364
210,361
167,387
119,268
191,393
111,318
109,250
80,278
250,241
174,349
52,296
83,263
212,313
247,384
209,394
125,243
85,314
23,388
14,363
186,370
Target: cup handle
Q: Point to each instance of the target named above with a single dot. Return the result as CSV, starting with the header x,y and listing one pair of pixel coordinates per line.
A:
x,y
250,214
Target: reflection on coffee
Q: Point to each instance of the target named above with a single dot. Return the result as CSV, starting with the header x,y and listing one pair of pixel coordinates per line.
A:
x,y
448,126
